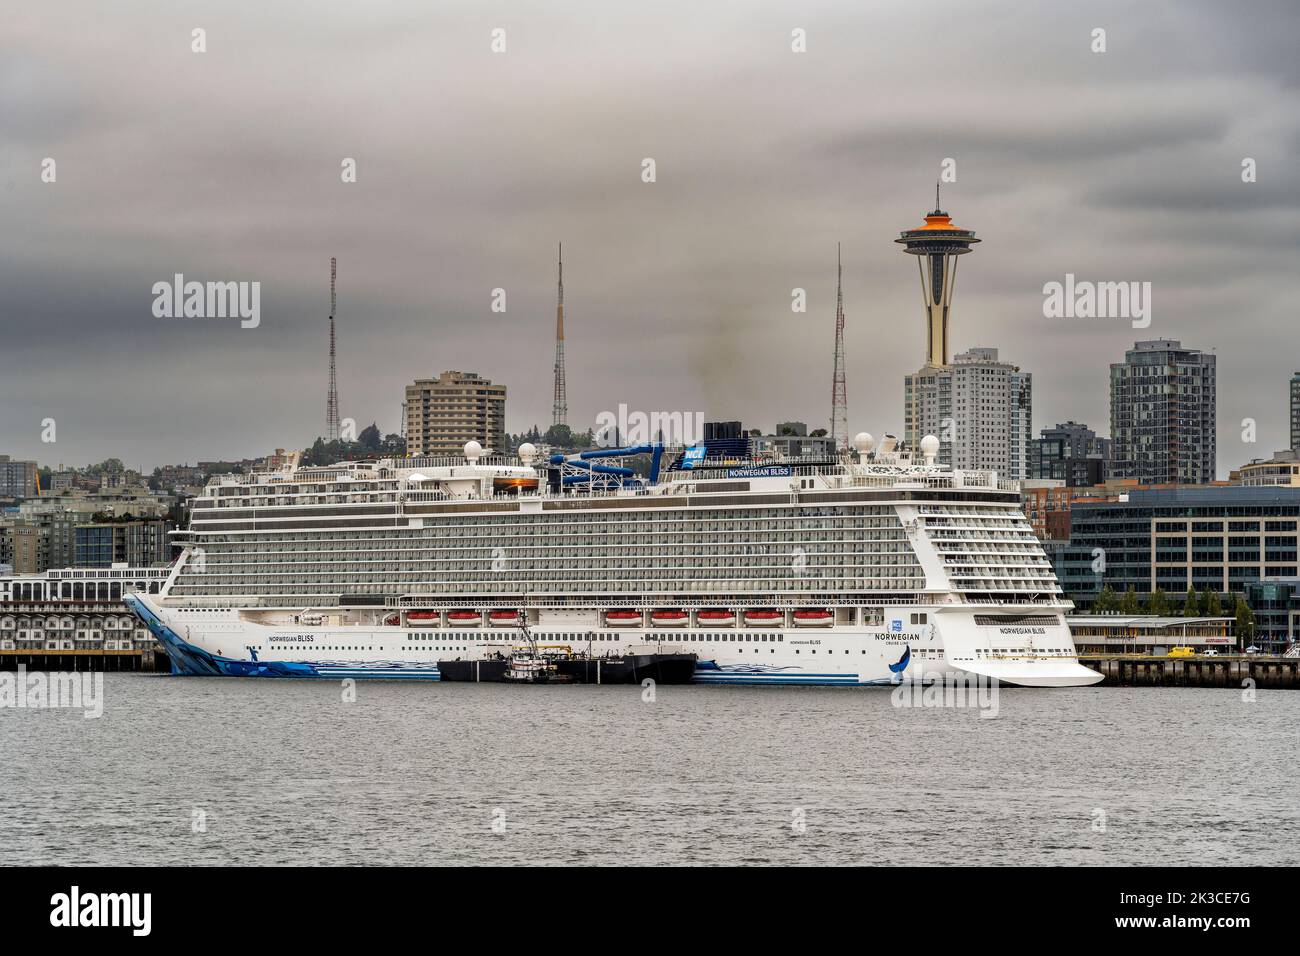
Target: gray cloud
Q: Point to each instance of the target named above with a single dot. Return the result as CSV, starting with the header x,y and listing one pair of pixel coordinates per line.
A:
x,y
472,166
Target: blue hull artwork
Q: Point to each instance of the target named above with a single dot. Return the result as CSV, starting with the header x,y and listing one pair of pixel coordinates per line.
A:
x,y
187,659
195,662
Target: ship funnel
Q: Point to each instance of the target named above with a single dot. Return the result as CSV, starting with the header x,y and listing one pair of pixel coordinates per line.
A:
x,y
887,444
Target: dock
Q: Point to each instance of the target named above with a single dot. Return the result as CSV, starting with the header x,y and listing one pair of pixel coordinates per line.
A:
x,y
1229,671
144,659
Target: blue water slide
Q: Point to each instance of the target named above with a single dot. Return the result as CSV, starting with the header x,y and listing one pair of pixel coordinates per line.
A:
x,y
656,451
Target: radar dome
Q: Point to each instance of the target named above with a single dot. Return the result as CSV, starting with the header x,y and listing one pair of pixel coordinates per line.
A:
x,y
527,452
473,450
863,442
929,446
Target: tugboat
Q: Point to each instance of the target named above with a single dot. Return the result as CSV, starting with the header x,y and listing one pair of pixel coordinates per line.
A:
x,y
524,665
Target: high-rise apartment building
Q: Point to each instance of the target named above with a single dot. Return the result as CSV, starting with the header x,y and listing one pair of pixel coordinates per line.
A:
x,y
1295,411
981,410
1162,414
138,543
1070,452
17,478
444,413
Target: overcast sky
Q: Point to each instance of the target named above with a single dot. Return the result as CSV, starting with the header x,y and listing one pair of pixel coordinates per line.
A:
x,y
472,165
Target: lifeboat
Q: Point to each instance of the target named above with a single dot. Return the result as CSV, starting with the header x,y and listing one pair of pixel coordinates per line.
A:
x,y
503,618
764,617
623,618
813,617
464,617
717,617
422,618
669,618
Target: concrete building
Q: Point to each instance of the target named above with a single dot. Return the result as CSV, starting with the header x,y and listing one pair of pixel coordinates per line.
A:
x,y
1162,414
1149,634
1283,469
22,546
69,609
17,478
171,477
1220,538
1295,411
444,413
1275,603
141,543
979,407
1071,453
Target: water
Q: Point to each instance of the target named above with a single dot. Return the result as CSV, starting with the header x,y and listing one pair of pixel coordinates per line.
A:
x,y
285,772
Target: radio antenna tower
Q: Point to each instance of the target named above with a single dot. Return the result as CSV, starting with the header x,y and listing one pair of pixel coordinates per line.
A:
x,y
332,399
560,402
839,393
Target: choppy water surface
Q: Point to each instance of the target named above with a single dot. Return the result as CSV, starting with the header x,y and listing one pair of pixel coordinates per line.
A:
x,y
286,772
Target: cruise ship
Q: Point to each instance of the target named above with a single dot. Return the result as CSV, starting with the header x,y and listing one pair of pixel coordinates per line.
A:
x,y
871,566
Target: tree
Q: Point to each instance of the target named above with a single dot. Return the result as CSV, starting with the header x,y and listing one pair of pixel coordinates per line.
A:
x,y
1129,603
817,433
1245,623
370,437
1210,604
1191,607
1159,603
562,436
1106,602
108,464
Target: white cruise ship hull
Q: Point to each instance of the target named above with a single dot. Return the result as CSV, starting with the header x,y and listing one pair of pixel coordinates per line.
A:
x,y
222,642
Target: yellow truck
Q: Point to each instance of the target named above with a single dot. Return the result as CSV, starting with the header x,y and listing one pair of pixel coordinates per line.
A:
x,y
1181,652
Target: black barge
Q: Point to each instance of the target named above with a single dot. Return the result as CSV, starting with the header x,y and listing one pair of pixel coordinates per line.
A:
x,y
573,669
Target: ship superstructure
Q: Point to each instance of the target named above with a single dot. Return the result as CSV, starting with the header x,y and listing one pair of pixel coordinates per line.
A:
x,y
873,566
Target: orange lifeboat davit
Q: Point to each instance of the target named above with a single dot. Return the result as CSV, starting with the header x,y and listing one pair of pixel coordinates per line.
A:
x,y
623,618
503,618
472,618
814,617
422,618
669,617
764,617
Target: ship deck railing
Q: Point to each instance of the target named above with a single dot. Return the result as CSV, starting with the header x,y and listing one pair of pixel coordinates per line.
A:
x,y
637,600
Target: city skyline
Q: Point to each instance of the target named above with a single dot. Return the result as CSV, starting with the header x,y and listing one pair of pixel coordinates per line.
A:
x,y
678,294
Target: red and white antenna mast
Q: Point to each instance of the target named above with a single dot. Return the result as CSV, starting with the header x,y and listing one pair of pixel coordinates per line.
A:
x,y
839,392
332,399
560,401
